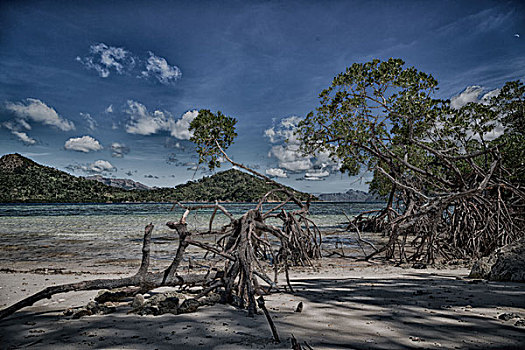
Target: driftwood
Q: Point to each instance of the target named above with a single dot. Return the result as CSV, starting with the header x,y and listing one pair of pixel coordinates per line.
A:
x,y
239,262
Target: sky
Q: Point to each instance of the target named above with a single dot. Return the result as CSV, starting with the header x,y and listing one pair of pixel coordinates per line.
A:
x,y
110,87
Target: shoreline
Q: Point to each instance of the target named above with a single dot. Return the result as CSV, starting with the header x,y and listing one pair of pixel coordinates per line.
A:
x,y
347,304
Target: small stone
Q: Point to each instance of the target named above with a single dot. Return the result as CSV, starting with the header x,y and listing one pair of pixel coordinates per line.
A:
x,y
93,306
138,301
520,323
189,305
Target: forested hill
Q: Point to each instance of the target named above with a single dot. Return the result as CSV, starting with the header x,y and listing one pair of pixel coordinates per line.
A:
x,y
24,181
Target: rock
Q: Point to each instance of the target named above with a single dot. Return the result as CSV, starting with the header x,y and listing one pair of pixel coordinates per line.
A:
x,y
508,316
188,305
169,305
116,294
510,263
82,313
210,299
138,301
481,268
158,304
506,264
520,323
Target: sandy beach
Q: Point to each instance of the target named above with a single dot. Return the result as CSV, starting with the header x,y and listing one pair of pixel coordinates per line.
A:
x,y
346,305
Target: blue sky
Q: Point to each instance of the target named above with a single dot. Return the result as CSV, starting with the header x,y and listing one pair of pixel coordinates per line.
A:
x,y
110,86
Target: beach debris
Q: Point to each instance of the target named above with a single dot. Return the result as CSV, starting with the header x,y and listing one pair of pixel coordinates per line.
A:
x,y
262,306
297,346
416,339
299,307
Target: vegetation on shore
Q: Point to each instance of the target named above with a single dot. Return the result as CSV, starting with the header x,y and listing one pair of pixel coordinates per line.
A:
x,y
24,181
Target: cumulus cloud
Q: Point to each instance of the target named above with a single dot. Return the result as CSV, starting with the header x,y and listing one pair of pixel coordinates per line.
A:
x,y
143,122
82,144
286,150
276,172
96,167
99,166
158,68
35,110
104,59
118,150
181,128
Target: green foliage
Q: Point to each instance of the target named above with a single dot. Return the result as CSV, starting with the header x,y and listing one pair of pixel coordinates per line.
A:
x,y
211,131
369,109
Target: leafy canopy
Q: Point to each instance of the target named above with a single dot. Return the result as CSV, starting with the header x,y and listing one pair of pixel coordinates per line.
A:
x,y
211,134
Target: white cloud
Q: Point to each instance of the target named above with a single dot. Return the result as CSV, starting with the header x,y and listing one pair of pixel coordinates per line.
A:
x,y
82,144
24,137
276,172
313,178
319,173
287,153
158,68
181,128
118,150
286,150
143,122
290,158
37,111
15,128
104,59
471,94
98,166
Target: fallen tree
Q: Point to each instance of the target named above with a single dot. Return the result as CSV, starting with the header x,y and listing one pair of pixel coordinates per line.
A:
x,y
248,250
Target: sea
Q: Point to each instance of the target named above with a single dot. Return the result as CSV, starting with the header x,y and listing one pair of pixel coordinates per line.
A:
x,y
84,234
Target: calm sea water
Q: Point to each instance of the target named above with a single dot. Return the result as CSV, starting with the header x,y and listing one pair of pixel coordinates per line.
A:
x,y
113,232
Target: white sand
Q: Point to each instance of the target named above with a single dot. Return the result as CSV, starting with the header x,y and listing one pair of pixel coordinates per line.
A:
x,y
355,307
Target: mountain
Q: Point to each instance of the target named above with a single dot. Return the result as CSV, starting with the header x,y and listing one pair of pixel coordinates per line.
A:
x,y
24,181
126,184
350,196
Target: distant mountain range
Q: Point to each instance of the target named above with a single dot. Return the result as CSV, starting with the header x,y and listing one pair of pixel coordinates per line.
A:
x,y
25,181
350,196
